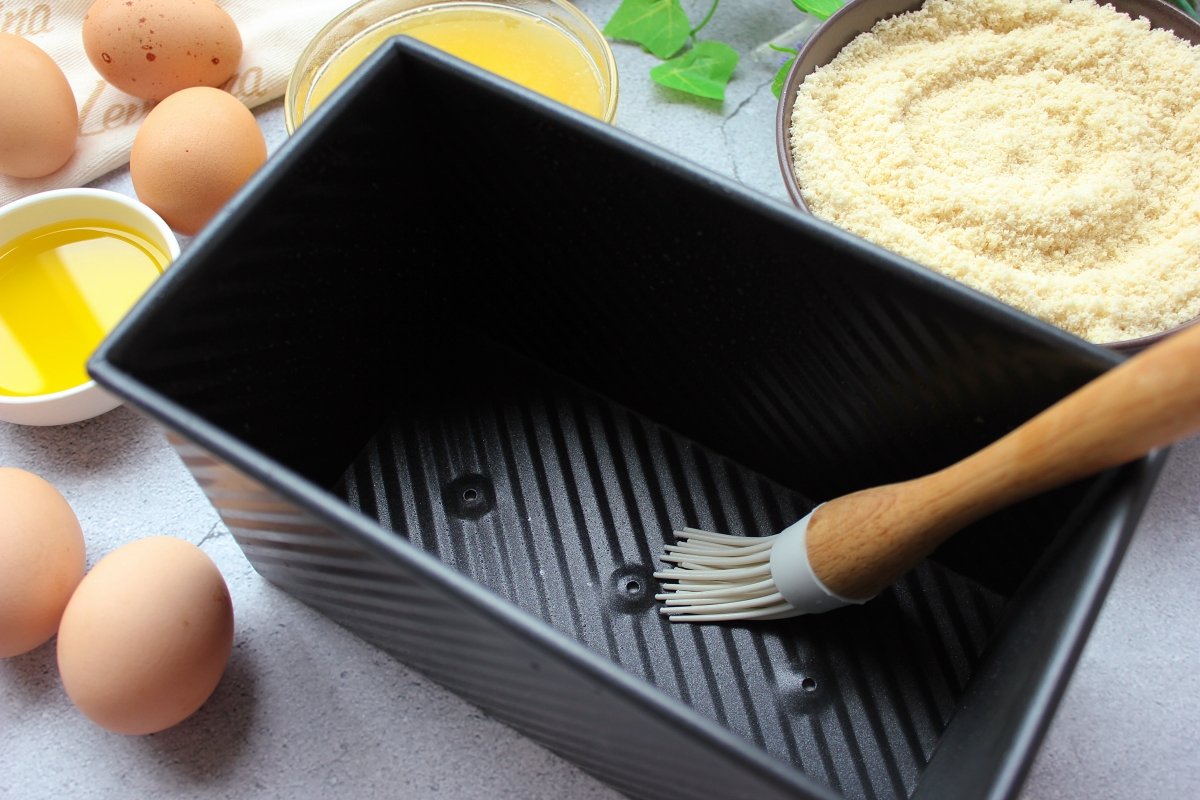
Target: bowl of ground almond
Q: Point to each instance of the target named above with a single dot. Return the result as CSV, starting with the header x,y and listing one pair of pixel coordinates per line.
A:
x,y
1044,152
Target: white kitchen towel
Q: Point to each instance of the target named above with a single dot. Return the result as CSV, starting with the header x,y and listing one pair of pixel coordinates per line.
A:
x,y
273,36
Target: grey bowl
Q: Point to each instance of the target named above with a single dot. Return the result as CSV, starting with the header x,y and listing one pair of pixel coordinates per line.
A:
x,y
859,16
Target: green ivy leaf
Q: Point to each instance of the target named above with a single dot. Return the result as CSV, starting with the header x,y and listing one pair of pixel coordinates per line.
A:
x,y
781,75
660,26
821,9
704,70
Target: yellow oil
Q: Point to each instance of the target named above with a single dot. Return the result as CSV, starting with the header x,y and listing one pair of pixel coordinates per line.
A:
x,y
62,289
513,44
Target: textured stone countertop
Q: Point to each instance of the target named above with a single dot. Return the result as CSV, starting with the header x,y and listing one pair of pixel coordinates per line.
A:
x,y
306,710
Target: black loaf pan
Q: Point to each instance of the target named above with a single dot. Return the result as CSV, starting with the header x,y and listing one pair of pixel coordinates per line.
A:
x,y
457,360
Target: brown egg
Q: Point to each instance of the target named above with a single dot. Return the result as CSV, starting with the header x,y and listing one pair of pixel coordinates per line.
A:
x,y
193,151
146,636
41,560
153,48
39,120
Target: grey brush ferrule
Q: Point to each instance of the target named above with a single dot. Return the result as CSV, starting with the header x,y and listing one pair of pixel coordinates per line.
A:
x,y
794,576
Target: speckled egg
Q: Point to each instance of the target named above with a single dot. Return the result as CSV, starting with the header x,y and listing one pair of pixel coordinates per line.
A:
x,y
153,48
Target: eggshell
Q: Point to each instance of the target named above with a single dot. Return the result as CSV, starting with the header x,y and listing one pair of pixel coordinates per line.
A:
x,y
146,636
191,154
39,121
41,560
153,48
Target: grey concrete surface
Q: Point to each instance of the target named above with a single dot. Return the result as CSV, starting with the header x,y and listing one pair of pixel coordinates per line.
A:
x,y
306,710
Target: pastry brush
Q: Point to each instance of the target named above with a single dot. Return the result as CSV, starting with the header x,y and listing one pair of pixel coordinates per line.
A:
x,y
848,549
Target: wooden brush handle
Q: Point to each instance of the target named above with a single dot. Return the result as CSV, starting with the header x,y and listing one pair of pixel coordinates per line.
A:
x,y
860,543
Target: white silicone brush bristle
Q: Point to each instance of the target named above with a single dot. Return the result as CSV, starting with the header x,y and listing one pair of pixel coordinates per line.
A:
x,y
720,578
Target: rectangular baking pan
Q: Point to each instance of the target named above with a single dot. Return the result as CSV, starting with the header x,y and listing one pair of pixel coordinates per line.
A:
x,y
456,362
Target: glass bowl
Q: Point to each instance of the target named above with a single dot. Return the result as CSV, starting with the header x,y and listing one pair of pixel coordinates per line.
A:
x,y
367,24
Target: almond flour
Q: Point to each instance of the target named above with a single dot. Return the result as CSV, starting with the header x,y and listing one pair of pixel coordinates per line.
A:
x,y
1041,151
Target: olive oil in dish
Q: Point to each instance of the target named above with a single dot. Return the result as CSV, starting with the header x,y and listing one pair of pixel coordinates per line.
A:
x,y
62,289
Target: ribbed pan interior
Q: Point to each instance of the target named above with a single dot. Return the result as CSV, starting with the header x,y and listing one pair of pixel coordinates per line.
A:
x,y
560,501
